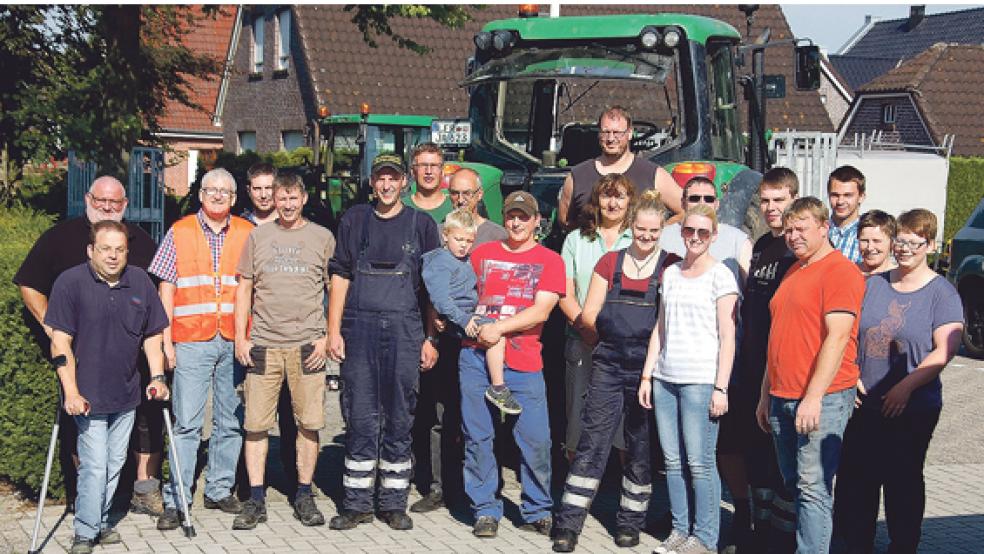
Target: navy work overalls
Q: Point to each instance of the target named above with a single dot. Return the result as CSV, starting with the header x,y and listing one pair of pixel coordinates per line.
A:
x,y
624,326
383,334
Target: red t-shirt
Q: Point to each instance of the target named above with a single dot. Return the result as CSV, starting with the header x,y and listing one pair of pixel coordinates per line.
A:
x,y
507,284
606,268
805,296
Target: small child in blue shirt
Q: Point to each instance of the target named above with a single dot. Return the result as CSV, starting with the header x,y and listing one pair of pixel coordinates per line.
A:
x,y
450,282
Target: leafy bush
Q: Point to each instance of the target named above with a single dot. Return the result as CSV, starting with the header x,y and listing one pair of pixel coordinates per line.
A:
x,y
964,191
28,388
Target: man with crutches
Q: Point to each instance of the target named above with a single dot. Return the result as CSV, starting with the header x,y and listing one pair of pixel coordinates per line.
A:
x,y
100,313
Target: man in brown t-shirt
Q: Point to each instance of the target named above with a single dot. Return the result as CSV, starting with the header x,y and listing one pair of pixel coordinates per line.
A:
x,y
283,274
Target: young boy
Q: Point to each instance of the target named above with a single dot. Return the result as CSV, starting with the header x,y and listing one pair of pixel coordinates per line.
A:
x,y
450,281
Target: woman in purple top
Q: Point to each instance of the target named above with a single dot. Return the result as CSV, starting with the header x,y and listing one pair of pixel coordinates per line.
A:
x,y
910,328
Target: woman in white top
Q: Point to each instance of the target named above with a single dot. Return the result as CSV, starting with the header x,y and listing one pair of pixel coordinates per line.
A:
x,y
686,375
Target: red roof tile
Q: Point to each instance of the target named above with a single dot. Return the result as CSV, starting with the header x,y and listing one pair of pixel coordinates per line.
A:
x,y
211,37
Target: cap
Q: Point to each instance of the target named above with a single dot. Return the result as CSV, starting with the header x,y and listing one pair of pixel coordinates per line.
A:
x,y
387,160
522,201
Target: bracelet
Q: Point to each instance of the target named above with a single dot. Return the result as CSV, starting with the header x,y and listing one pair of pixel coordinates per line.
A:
x,y
160,378
722,390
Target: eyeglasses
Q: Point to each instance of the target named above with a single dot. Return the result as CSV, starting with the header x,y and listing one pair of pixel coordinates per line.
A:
x,y
705,198
702,234
428,166
612,133
213,191
462,193
114,203
912,246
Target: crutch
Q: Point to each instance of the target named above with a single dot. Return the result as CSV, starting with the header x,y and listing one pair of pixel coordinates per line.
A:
x,y
47,472
186,526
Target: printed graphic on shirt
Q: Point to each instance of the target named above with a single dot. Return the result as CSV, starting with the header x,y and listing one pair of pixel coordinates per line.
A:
x,y
507,288
878,340
765,274
286,259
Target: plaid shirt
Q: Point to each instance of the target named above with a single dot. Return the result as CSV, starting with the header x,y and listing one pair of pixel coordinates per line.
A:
x,y
163,264
845,239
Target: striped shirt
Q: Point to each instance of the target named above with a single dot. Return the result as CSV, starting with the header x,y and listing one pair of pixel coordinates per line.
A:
x,y
845,239
690,349
163,264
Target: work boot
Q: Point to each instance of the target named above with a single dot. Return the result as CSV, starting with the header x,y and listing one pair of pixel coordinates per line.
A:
x,y
230,504
170,519
485,527
503,400
150,503
348,520
253,513
626,537
564,541
432,501
109,536
396,519
541,526
81,546
307,512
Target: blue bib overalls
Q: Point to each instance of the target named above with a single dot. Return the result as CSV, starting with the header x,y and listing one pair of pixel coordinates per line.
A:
x,y
383,334
624,326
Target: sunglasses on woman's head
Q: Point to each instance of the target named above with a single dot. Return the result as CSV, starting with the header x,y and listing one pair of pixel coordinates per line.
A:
x,y
702,234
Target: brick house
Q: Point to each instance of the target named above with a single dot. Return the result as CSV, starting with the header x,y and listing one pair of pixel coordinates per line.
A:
x,y
191,135
289,60
925,99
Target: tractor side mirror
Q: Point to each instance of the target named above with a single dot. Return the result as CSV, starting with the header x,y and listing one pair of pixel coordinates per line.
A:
x,y
807,67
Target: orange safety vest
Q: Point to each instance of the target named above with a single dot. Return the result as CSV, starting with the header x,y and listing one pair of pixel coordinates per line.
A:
x,y
198,311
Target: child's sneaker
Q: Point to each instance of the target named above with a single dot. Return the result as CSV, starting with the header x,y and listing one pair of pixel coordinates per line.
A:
x,y
503,400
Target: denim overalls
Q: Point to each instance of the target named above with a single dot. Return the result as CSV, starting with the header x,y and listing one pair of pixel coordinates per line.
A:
x,y
383,334
624,325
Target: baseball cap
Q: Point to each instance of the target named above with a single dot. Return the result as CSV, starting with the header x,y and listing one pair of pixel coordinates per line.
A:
x,y
522,201
387,160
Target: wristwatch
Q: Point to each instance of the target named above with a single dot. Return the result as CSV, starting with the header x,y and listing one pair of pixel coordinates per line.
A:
x,y
160,378
431,339
722,390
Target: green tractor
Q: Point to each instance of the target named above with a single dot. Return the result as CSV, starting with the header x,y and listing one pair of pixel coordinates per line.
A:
x,y
537,86
348,143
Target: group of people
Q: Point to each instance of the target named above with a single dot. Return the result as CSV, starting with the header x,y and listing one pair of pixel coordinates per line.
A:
x,y
771,366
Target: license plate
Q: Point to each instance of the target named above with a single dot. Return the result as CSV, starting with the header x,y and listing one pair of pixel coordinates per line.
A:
x,y
451,133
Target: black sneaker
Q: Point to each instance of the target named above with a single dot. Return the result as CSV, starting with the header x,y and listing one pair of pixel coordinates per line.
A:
x,y
109,536
81,546
485,527
307,511
503,400
170,519
348,520
564,541
396,519
253,513
230,504
626,537
541,526
429,503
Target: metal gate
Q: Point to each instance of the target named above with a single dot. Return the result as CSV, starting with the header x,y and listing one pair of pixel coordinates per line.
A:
x,y
144,188
812,156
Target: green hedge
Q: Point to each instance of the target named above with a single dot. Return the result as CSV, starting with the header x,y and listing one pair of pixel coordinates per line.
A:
x,y
28,389
964,191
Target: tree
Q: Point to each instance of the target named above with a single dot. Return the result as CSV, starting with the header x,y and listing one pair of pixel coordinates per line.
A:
x,y
94,79
374,19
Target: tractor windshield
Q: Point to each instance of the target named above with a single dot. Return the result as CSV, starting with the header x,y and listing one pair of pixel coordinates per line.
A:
x,y
549,99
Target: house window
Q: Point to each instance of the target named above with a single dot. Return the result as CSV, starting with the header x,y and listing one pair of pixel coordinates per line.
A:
x,y
258,44
247,141
291,140
888,113
283,39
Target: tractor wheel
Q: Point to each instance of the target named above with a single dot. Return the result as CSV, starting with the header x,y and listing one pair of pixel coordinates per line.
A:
x,y
740,204
973,334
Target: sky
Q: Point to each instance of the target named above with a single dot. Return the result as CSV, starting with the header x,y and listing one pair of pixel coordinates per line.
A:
x,y
830,25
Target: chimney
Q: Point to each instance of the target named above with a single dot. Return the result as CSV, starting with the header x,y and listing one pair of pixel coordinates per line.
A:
x,y
916,16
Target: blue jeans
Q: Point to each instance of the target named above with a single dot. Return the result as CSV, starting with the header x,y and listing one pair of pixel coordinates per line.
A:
x,y
103,440
686,429
532,434
808,464
202,366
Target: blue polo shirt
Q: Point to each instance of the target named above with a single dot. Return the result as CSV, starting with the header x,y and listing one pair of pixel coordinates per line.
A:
x,y
108,326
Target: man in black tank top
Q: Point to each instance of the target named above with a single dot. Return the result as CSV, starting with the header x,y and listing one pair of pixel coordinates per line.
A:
x,y
614,135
